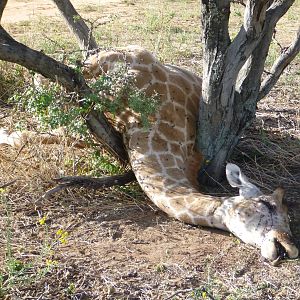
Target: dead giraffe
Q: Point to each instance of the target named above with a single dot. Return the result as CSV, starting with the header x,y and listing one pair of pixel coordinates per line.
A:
x,y
165,162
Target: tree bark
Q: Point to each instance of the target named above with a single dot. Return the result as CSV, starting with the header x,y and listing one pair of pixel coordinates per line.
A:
x,y
232,74
12,51
76,24
2,7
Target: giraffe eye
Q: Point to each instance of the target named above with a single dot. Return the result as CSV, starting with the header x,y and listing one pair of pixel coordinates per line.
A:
x,y
271,207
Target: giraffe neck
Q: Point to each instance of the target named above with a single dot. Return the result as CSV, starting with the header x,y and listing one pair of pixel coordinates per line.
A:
x,y
163,157
162,177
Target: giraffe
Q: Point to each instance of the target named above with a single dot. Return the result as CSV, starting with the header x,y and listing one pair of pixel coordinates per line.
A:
x,y
165,162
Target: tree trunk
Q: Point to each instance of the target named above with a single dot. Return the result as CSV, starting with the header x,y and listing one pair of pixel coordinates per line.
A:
x,y
232,73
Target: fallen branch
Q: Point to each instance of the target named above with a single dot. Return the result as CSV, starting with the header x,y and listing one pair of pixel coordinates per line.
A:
x,y
90,182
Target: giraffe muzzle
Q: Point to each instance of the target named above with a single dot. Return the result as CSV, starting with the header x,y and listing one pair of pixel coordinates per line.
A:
x,y
277,246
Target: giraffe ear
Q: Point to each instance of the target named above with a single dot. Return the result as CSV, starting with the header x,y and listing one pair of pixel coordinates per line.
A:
x,y
278,195
237,179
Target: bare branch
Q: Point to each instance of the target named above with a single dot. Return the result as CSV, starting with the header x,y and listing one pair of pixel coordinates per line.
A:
x,y
77,25
90,182
12,51
246,40
2,7
276,11
287,55
251,73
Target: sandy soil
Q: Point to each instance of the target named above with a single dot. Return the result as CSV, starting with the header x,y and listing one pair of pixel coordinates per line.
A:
x,y
24,10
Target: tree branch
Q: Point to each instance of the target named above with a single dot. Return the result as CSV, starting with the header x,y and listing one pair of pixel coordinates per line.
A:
x,y
12,51
90,182
76,24
276,11
245,41
251,73
2,7
287,55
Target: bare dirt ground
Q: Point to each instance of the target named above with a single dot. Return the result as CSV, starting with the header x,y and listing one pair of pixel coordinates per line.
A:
x,y
20,10
119,246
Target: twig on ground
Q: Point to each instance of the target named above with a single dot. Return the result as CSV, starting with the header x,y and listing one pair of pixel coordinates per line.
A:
x,y
7,184
90,182
179,292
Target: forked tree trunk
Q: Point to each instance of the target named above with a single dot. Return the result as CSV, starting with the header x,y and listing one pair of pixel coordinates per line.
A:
x,y
232,74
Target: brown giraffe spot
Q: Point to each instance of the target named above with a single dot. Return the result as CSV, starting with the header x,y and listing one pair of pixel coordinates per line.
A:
x,y
190,130
192,104
193,164
169,182
157,88
198,88
158,143
144,57
184,218
142,78
170,132
139,140
176,149
177,95
159,73
181,81
175,173
176,203
172,114
167,160
158,180
189,75
152,163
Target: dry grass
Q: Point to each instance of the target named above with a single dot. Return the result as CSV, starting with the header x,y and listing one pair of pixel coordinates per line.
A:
x,y
119,246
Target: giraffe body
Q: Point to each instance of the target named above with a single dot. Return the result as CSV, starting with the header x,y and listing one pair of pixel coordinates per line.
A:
x,y
165,162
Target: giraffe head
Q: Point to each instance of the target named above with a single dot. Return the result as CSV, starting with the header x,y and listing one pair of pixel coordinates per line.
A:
x,y
258,219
